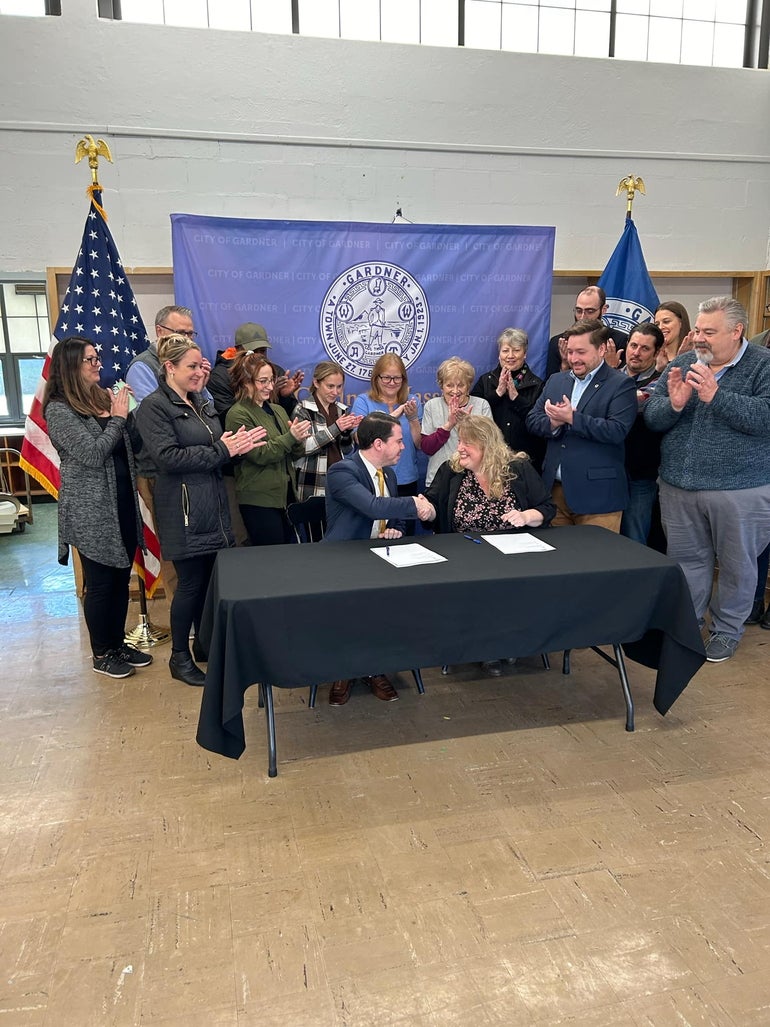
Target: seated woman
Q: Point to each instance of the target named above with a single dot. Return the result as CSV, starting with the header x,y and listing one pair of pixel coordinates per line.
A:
x,y
486,487
330,437
94,435
443,413
184,438
512,389
265,479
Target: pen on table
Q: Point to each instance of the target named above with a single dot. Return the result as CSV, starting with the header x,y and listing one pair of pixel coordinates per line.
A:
x,y
472,539
387,550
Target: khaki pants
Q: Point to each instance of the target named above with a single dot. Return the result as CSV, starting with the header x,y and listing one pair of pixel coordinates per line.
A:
x,y
146,489
565,516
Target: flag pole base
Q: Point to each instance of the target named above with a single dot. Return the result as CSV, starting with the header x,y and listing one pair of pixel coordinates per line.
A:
x,y
145,635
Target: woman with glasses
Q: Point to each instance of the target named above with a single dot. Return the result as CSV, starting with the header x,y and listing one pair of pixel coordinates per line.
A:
x,y
94,435
390,395
265,481
331,432
181,431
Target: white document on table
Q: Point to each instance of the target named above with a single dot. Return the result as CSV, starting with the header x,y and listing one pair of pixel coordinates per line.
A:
x,y
523,543
411,555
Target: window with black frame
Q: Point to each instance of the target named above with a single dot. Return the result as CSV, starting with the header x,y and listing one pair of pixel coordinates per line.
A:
x,y
24,341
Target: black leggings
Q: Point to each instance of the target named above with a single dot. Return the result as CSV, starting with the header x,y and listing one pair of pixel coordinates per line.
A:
x,y
105,604
266,525
189,597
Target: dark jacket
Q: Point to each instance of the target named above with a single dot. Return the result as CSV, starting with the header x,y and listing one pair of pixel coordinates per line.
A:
x,y
191,510
591,451
527,486
642,443
510,416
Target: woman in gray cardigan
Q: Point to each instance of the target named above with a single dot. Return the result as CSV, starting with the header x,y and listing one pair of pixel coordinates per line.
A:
x,y
93,434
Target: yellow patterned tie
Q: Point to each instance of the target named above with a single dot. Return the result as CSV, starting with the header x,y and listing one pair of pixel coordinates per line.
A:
x,y
381,485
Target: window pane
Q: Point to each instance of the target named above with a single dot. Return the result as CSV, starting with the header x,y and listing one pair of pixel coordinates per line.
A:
x,y
30,369
594,5
704,10
401,21
319,18
728,46
520,28
731,11
30,7
23,335
272,17
3,397
631,37
633,6
21,306
148,12
592,34
360,19
234,15
665,40
482,24
697,42
439,22
190,13
667,8
557,31
559,3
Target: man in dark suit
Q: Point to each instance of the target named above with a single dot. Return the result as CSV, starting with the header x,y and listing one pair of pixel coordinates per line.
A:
x,y
590,305
585,414
362,501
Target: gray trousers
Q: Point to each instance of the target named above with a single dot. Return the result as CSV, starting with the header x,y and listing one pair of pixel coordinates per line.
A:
x,y
732,527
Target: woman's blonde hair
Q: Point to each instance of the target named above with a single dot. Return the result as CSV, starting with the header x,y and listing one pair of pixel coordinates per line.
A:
x,y
455,369
171,349
380,368
496,456
325,370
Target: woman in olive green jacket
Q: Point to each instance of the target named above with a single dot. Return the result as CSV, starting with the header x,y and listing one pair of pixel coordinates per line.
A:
x,y
265,481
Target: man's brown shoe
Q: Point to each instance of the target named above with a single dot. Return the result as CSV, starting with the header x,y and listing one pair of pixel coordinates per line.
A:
x,y
382,688
339,693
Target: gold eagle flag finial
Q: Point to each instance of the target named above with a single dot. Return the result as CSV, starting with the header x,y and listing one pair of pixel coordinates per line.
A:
x,y
93,149
630,185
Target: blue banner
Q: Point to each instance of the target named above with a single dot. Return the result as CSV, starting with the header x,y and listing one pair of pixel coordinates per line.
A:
x,y
352,291
631,296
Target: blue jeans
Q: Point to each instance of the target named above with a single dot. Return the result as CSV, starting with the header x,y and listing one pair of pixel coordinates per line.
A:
x,y
637,516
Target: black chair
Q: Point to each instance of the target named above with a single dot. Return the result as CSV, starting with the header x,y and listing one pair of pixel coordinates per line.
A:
x,y
308,519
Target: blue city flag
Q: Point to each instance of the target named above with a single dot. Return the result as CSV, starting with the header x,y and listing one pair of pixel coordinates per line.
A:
x,y
631,296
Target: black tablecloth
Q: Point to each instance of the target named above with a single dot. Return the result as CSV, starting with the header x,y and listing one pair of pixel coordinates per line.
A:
x,y
294,615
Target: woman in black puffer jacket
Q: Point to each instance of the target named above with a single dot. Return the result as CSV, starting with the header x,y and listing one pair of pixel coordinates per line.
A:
x,y
183,435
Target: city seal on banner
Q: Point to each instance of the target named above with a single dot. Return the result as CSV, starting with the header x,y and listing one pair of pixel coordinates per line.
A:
x,y
372,309
625,315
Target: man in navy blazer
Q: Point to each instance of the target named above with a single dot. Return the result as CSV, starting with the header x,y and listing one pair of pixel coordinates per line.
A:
x,y
362,501
585,414
354,507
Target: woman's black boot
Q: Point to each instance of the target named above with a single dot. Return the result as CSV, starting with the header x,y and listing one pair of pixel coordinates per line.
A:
x,y
183,669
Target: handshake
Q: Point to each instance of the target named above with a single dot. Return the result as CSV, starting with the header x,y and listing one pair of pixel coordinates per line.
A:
x,y
425,509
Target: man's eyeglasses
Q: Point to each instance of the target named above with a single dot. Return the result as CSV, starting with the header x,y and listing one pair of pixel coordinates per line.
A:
x,y
93,361
264,381
393,379
586,311
180,331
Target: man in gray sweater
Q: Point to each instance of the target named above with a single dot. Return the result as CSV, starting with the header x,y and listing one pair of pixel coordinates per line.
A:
x,y
713,404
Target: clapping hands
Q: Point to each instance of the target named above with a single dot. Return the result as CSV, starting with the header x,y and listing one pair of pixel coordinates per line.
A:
x,y
241,442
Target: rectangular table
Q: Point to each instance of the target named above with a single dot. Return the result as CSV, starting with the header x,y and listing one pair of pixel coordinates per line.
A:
x,y
290,616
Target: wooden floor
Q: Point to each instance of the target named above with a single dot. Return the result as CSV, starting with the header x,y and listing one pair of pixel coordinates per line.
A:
x,y
498,851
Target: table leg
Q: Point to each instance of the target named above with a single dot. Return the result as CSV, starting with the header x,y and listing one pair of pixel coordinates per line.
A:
x,y
621,665
417,675
272,769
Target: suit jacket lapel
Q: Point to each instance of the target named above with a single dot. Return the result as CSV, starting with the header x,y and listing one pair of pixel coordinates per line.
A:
x,y
592,389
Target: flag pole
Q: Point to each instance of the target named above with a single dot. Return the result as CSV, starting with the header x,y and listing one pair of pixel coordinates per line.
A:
x,y
144,635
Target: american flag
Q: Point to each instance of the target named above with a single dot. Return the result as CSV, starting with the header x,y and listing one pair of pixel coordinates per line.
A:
x,y
99,305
